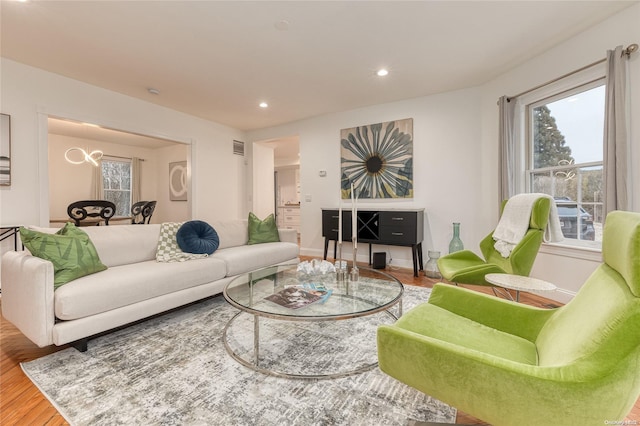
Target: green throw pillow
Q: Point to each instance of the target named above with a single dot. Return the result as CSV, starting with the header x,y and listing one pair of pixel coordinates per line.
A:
x,y
70,250
262,231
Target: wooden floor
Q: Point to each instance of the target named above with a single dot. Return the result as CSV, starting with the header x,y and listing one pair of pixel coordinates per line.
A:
x,y
21,403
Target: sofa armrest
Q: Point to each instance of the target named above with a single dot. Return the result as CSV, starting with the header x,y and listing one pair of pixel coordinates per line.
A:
x,y
504,315
288,235
27,295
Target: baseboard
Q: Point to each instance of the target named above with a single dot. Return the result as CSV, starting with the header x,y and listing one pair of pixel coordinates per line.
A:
x,y
560,294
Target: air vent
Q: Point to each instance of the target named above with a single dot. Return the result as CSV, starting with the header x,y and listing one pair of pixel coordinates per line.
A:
x,y
238,148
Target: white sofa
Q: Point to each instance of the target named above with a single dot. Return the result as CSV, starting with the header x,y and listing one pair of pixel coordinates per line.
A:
x,y
134,286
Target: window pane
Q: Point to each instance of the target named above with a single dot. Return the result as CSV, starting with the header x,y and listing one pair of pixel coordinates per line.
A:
x,y
116,180
569,130
575,190
567,135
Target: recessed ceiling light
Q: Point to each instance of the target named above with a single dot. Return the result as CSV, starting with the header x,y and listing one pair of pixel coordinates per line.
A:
x,y
263,105
382,72
153,91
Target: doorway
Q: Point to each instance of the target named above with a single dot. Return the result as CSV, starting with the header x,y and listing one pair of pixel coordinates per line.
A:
x,y
71,179
286,183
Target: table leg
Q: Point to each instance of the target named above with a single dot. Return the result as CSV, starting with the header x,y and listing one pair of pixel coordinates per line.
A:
x,y
256,338
414,255
517,295
326,247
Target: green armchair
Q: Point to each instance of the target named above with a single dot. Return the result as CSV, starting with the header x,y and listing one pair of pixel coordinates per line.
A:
x,y
465,267
512,364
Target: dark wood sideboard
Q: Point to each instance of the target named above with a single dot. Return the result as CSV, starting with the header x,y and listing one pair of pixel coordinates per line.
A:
x,y
397,227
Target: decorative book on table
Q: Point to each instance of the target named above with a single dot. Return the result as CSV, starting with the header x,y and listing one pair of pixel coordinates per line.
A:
x,y
293,297
315,288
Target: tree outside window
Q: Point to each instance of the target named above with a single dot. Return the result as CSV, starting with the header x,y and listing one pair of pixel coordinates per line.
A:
x,y
566,157
116,181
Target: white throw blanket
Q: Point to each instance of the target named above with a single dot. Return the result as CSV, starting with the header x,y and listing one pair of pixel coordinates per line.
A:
x,y
515,219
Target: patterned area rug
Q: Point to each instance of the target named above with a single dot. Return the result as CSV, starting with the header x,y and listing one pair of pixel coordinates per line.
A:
x,y
174,370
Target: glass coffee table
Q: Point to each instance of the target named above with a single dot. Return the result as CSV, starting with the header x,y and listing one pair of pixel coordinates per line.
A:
x,y
274,339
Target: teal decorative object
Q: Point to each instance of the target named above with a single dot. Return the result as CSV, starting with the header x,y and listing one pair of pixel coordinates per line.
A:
x,y
456,242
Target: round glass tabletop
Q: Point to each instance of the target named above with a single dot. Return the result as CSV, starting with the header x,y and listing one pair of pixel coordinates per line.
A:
x,y
273,292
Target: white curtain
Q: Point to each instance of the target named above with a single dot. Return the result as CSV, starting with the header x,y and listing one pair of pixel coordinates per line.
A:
x,y
615,132
97,188
135,180
507,150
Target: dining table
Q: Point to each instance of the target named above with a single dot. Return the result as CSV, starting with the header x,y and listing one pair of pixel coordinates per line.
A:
x,y
90,221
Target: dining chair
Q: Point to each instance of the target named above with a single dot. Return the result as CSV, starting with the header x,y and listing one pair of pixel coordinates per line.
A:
x,y
142,211
91,212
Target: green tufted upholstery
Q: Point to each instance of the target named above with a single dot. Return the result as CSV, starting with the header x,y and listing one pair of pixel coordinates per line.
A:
x,y
465,267
512,364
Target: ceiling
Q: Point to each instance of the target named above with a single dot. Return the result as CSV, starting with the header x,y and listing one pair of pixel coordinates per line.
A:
x,y
219,59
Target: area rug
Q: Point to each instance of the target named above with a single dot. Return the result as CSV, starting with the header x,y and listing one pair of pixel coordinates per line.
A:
x,y
174,370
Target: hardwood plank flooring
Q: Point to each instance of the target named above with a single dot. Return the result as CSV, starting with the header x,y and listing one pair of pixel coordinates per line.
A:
x,y
21,403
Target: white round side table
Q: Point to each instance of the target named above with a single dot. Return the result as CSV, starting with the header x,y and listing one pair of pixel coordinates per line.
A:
x,y
519,283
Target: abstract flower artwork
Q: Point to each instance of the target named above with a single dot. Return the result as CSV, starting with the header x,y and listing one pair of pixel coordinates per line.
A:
x,y
378,160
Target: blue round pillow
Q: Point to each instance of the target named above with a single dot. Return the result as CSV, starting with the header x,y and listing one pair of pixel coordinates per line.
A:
x,y
197,237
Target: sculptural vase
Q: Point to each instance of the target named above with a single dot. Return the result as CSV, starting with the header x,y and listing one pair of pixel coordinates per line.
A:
x,y
456,242
431,267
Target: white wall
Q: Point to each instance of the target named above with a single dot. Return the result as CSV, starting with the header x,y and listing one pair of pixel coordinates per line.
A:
x,y
288,178
71,182
263,185
446,132
456,153
566,267
455,148
167,210
29,94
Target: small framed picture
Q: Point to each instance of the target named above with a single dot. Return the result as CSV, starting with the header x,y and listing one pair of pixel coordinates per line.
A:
x,y
178,181
5,150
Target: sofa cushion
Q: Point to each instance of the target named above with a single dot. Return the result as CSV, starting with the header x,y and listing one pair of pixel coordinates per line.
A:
x,y
128,284
232,233
124,244
70,250
262,231
249,258
196,236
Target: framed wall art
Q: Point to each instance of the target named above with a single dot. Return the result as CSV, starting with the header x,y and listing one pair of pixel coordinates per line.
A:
x,y
378,160
5,150
178,181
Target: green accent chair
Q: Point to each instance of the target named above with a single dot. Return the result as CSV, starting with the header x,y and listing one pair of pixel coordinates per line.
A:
x,y
513,364
466,267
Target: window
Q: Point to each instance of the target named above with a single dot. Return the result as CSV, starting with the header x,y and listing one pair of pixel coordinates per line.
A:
x,y
116,182
565,157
